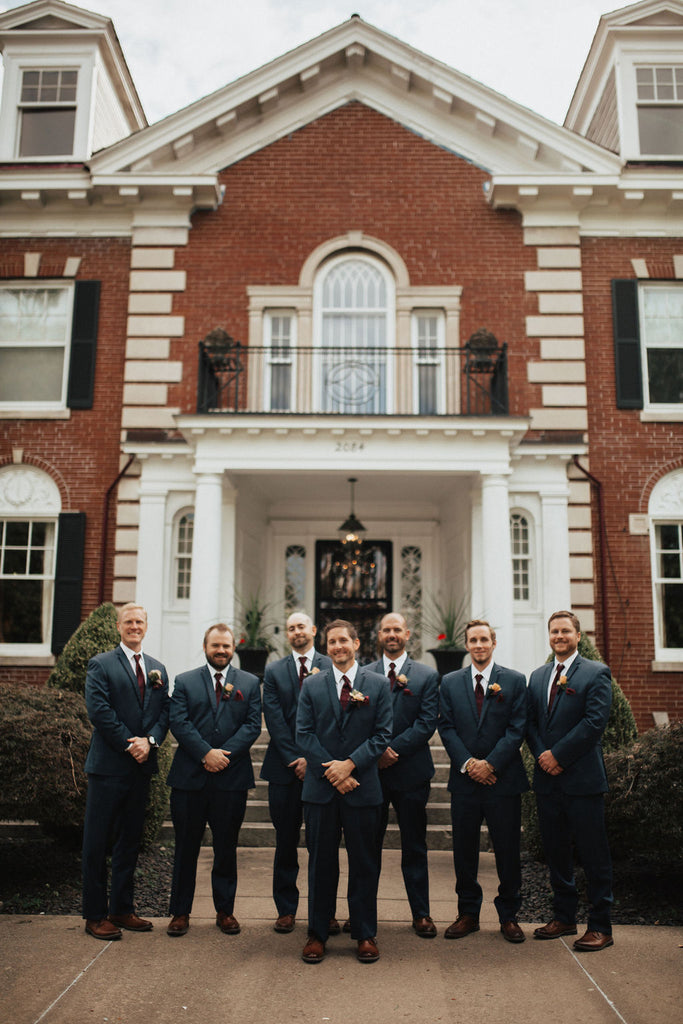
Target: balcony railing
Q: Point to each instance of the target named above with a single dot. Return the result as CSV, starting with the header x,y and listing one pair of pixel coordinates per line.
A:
x,y
234,378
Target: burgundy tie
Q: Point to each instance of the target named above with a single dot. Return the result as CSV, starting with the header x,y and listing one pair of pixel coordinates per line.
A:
x,y
219,687
302,671
140,678
553,688
345,693
391,674
479,693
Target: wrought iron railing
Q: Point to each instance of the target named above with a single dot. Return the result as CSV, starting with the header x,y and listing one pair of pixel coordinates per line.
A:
x,y
370,381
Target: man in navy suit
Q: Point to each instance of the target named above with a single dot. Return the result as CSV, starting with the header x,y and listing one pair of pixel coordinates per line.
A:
x,y
406,765
215,717
284,767
343,726
569,705
481,723
126,693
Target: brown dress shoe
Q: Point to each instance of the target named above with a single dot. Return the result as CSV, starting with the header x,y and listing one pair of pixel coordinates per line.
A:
x,y
590,942
284,924
103,929
368,952
228,924
314,951
347,926
178,925
511,931
554,929
424,927
463,925
335,927
131,922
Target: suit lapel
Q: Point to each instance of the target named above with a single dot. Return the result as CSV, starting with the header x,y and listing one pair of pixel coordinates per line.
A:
x,y
128,669
547,672
561,690
333,698
485,706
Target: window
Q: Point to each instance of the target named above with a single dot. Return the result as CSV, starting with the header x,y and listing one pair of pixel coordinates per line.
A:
x,y
355,295
521,556
52,328
659,93
668,580
280,340
27,572
661,309
295,578
47,112
183,556
428,345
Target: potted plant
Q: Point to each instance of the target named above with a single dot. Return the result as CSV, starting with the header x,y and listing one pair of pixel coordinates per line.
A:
x,y
446,618
254,634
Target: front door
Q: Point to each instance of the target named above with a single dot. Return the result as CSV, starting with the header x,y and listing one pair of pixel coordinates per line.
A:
x,y
354,584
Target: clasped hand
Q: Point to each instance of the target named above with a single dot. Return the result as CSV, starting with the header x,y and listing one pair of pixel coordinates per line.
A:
x,y
138,747
482,772
338,773
216,760
549,763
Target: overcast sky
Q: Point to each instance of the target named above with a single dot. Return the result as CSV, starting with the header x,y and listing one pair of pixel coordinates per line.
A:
x,y
180,50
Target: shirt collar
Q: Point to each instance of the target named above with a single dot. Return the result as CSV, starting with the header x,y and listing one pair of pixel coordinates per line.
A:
x,y
350,675
566,665
485,672
131,654
398,662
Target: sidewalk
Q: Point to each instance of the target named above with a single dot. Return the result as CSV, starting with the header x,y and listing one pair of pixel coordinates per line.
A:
x,y
53,972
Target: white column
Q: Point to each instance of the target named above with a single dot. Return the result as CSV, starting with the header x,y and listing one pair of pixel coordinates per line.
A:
x,y
149,590
497,561
555,532
206,558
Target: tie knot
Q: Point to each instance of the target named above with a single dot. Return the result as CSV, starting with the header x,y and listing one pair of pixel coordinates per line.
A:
x,y
218,678
392,666
345,680
137,659
479,677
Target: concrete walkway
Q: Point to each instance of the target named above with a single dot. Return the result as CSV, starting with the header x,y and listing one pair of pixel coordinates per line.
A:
x,y
53,972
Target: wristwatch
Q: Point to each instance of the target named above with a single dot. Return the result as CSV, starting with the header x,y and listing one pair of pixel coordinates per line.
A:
x,y
152,742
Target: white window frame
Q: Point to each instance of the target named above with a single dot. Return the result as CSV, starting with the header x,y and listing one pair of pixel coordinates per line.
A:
x,y
177,557
43,648
662,408
662,653
276,355
74,58
658,101
34,403
429,357
524,603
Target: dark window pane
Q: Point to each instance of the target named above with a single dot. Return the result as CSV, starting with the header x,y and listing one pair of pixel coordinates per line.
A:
x,y
16,534
14,562
38,534
47,132
21,604
672,594
36,563
665,374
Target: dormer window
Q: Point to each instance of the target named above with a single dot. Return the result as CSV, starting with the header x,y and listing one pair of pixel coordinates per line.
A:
x,y
660,110
47,111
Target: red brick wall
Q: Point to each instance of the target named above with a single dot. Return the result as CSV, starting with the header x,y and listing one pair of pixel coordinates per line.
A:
x,y
355,169
628,457
80,453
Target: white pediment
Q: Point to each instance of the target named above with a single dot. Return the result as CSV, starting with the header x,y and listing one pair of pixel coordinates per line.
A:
x,y
353,62
50,16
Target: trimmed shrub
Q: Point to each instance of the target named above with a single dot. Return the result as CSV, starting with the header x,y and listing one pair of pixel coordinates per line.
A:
x,y
97,634
44,739
645,803
619,733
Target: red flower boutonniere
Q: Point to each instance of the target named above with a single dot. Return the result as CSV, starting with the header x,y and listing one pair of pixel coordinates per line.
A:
x,y
356,697
402,683
562,685
230,693
494,690
154,679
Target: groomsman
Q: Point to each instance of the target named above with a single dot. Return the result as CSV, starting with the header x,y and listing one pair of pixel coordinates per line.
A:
x,y
215,717
126,693
284,766
481,723
569,706
406,765
343,726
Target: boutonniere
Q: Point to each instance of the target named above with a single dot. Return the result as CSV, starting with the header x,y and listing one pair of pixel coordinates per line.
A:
x,y
495,690
230,693
562,685
356,697
154,679
313,672
402,683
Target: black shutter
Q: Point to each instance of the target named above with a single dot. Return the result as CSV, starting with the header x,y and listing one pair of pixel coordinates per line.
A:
x,y
83,345
627,345
66,617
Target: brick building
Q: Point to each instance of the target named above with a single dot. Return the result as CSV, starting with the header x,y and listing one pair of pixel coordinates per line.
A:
x,y
354,262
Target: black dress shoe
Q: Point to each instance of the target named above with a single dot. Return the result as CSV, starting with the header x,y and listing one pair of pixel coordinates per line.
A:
x,y
463,925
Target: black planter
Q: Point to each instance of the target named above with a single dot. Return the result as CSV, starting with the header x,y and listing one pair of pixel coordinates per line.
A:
x,y
253,659
447,659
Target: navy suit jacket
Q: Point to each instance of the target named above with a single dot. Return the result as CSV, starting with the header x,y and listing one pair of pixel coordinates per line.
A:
x,y
199,726
326,733
496,737
280,701
573,730
112,697
416,708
